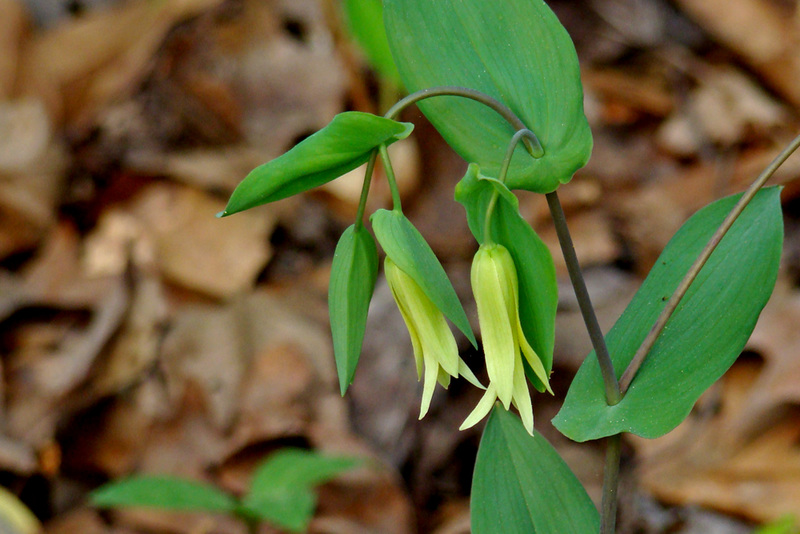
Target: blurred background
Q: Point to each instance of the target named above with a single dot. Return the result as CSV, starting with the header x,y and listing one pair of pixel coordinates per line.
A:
x,y
139,334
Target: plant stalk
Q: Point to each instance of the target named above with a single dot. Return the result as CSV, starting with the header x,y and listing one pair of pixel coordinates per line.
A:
x,y
362,203
531,142
613,394
611,484
694,270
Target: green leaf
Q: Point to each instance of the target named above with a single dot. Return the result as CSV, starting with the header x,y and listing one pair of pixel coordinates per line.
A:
x,y
365,22
538,288
705,334
522,486
340,147
353,274
411,253
288,508
163,492
280,491
518,53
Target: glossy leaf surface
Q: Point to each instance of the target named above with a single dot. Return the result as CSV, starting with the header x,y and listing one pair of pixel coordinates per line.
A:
x,y
353,274
538,289
163,492
365,22
340,147
515,51
522,486
411,253
705,334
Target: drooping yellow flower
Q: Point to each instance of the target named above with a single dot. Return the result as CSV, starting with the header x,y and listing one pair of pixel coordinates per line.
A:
x,y
496,290
435,349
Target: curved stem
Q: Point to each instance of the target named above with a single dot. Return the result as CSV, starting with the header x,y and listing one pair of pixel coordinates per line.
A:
x,y
532,143
694,270
512,145
362,203
390,177
613,394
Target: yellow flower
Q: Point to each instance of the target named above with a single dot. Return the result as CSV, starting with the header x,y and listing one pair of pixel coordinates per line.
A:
x,y
496,290
435,349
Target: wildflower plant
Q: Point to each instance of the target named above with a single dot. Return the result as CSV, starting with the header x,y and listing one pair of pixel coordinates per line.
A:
x,y
501,83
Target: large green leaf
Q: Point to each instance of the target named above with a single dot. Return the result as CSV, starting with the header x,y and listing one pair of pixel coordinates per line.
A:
x,y
353,274
705,334
411,253
538,289
340,147
163,492
515,51
522,486
281,488
365,22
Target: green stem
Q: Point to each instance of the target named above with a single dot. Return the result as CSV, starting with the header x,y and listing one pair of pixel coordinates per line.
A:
x,y
611,484
390,177
675,299
512,145
613,394
362,203
532,143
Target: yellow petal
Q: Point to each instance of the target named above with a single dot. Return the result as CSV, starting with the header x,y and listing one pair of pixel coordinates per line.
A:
x,y
467,373
534,361
431,373
496,330
482,409
522,398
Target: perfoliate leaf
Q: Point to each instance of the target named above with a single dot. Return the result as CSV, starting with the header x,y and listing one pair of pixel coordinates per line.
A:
x,y
163,492
411,253
538,289
515,51
704,336
365,22
353,274
340,147
522,486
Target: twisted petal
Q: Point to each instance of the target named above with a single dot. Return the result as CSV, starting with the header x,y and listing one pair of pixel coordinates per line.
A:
x,y
490,288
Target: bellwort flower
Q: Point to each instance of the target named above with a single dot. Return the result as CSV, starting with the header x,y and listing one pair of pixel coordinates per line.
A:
x,y
496,290
435,349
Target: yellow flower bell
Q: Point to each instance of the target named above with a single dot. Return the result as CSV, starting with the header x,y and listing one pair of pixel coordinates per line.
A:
x,y
496,290
435,349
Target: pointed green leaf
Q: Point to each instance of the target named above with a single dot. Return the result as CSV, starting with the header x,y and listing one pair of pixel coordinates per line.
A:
x,y
538,289
163,492
519,54
411,253
288,508
353,274
522,486
705,334
365,22
290,468
340,147
281,489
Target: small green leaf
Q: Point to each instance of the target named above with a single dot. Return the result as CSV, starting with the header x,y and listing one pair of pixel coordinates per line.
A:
x,y
353,274
538,288
411,253
705,334
340,147
521,55
522,486
784,525
281,489
365,22
163,492
288,508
